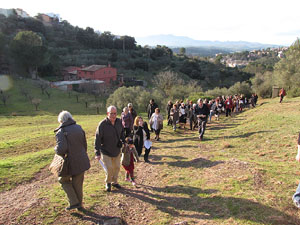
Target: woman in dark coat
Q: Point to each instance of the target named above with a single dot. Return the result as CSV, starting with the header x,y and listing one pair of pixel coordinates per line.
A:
x,y
141,133
71,141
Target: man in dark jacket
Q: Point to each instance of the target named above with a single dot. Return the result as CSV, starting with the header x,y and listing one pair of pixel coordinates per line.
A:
x,y
151,109
201,113
71,141
108,143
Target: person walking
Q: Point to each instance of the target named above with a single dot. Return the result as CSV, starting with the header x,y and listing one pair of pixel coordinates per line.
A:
x,y
132,112
282,93
129,155
169,107
296,196
156,123
141,134
151,109
127,121
109,139
71,142
228,105
174,115
202,113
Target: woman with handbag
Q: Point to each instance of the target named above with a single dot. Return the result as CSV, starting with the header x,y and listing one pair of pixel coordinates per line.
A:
x,y
71,144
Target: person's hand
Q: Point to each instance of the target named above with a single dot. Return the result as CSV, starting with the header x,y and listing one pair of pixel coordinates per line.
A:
x,y
98,157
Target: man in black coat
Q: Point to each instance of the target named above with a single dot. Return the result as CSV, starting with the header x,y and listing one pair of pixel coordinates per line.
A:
x,y
151,109
201,113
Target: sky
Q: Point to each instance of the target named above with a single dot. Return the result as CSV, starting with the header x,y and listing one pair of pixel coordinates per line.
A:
x,y
263,21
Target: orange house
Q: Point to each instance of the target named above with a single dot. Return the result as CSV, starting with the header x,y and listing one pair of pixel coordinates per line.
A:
x,y
98,72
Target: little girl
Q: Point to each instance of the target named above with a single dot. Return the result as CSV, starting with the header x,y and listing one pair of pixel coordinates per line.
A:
x,y
129,155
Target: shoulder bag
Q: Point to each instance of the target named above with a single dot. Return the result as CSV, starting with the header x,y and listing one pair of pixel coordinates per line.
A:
x,y
60,165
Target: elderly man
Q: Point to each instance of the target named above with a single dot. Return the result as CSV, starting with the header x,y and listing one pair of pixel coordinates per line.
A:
x,y
201,112
108,143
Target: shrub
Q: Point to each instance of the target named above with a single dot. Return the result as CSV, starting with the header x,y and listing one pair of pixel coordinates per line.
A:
x,y
294,92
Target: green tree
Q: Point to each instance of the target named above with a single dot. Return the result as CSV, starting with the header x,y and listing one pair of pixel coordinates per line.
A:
x,y
287,70
182,51
28,51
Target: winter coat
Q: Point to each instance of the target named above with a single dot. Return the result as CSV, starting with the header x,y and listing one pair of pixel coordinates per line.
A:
x,y
174,113
138,136
151,109
159,121
71,141
126,153
108,136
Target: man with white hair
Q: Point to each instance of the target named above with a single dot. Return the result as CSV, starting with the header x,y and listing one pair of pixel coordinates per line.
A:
x,y
108,143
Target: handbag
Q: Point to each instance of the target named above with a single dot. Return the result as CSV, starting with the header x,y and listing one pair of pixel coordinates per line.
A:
x,y
60,165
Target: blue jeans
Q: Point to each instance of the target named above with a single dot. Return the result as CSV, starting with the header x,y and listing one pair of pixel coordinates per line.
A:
x,y
296,196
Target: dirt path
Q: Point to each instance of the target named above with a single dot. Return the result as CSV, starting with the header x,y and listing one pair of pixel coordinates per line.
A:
x,y
15,202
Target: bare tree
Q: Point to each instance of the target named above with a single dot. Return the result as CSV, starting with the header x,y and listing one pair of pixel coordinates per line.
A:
x,y
24,92
43,86
96,105
4,97
36,102
30,98
164,81
48,93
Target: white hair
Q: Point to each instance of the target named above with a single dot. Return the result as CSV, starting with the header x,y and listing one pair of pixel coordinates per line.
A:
x,y
109,108
125,109
129,105
64,116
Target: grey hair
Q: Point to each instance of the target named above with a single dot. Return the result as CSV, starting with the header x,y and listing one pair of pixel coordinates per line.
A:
x,y
129,105
199,100
64,116
109,108
125,108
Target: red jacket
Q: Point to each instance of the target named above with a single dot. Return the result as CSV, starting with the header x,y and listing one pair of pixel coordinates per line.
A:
x,y
228,103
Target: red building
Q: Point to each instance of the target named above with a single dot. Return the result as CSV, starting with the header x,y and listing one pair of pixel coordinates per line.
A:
x,y
98,72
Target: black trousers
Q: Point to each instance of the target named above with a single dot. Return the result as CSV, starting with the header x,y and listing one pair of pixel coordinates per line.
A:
x,y
146,155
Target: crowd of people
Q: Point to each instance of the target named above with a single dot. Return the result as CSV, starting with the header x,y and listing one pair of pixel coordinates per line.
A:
x,y
120,141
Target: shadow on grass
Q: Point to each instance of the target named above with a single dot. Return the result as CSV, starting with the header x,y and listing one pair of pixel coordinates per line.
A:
x,y
196,163
87,215
245,135
199,205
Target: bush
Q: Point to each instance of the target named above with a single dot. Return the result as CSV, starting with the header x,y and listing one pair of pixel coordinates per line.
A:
x,y
294,92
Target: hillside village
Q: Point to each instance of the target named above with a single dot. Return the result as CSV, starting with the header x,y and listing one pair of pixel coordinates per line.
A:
x,y
242,59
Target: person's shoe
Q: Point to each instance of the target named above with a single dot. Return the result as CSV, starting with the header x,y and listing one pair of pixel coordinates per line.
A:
x,y
201,138
133,183
73,207
117,186
108,187
127,179
147,160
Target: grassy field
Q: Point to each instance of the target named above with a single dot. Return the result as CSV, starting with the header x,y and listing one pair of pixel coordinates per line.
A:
x,y
244,172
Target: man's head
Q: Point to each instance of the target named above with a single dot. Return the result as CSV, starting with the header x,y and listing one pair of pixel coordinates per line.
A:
x,y
200,102
112,113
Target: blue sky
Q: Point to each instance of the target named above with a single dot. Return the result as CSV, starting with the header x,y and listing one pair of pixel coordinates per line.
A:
x,y
264,21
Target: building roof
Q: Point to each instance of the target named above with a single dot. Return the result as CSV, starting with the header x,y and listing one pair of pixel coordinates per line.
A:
x,y
62,83
93,67
71,69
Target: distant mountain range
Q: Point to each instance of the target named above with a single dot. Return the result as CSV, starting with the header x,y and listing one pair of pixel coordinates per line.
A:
x,y
180,41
